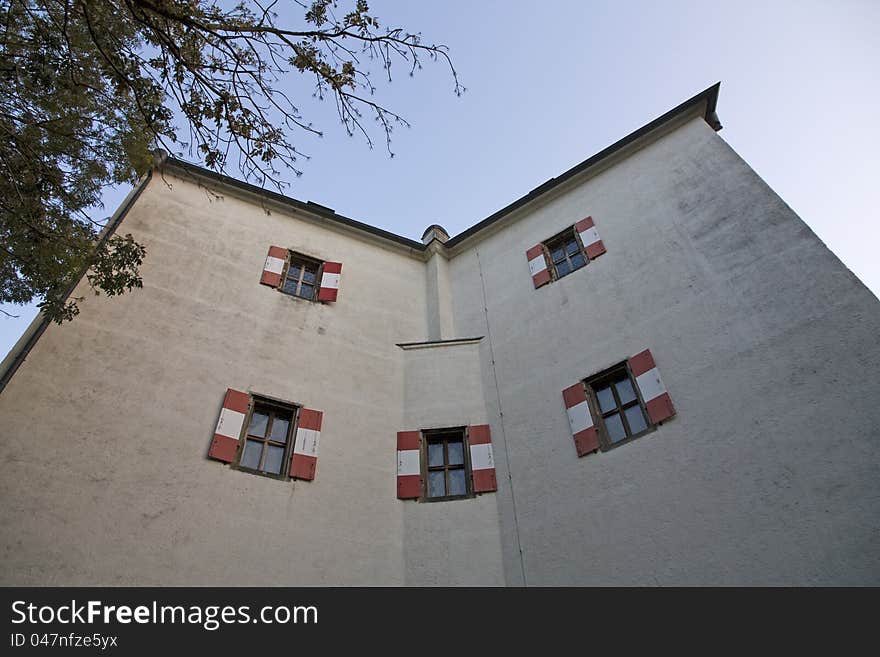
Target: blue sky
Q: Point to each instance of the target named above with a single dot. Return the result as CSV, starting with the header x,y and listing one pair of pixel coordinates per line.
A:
x,y
551,83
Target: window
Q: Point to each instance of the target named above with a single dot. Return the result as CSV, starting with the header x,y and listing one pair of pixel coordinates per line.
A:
x,y
562,254
301,276
447,473
445,464
566,253
617,408
267,440
257,434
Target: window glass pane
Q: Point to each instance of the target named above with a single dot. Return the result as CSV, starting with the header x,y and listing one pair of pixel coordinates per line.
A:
x,y
572,247
615,428
456,453
635,419
289,286
274,459
251,456
293,271
557,254
306,291
437,483
625,391
578,261
309,276
258,424
606,399
456,482
563,268
280,426
435,453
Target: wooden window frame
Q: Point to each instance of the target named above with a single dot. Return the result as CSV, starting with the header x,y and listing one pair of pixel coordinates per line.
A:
x,y
564,236
294,257
275,406
608,377
433,436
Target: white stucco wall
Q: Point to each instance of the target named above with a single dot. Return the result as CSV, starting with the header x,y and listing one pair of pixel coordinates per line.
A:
x,y
108,422
768,346
444,388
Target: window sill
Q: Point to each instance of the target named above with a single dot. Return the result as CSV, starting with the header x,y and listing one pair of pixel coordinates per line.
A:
x,y
554,277
448,498
294,296
620,443
259,473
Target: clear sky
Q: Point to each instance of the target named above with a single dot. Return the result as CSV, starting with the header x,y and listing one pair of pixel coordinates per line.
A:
x,y
551,83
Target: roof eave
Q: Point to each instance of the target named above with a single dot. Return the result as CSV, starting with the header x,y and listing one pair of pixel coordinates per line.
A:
x,y
307,207
709,97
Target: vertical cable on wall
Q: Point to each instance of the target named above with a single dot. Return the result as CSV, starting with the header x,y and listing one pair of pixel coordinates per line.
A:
x,y
501,416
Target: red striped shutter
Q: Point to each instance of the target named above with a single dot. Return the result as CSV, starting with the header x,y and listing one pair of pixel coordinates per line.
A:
x,y
409,465
305,447
227,435
538,265
482,459
590,238
586,438
654,394
330,281
273,267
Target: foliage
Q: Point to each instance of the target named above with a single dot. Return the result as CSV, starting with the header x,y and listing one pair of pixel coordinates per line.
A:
x,y
92,87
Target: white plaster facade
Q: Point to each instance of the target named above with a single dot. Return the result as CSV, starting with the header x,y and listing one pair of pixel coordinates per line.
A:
x,y
769,473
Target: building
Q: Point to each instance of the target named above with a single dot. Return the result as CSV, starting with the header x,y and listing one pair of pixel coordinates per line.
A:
x,y
513,369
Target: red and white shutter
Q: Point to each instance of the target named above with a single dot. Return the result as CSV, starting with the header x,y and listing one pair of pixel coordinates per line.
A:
x,y
305,447
657,401
274,266
225,443
538,265
583,430
482,459
409,468
330,281
590,238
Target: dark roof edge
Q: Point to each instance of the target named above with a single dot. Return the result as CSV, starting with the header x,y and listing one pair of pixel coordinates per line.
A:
x,y
709,96
21,349
309,207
